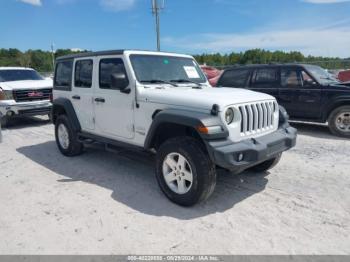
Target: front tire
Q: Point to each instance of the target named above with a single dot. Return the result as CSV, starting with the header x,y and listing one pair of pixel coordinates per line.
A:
x,y
4,121
267,165
184,171
66,138
339,121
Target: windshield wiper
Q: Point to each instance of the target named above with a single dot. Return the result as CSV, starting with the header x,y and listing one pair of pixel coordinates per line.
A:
x,y
199,85
157,81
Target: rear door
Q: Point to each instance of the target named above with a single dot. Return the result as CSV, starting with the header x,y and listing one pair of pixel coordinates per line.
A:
x,y
265,80
82,92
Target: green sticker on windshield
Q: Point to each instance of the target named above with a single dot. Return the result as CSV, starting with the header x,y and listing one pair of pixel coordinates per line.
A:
x,y
166,61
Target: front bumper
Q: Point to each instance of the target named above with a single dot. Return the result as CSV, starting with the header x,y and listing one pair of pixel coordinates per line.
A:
x,y
25,108
247,153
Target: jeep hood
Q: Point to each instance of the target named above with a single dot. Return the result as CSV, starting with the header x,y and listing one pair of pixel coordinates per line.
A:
x,y
26,84
201,98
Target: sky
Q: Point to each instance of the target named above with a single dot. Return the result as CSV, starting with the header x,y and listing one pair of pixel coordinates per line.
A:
x,y
313,27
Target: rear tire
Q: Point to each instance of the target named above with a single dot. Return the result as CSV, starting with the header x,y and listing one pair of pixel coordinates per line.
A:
x,y
184,171
339,121
267,165
66,137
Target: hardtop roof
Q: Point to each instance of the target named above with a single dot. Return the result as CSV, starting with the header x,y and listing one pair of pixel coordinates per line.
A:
x,y
111,52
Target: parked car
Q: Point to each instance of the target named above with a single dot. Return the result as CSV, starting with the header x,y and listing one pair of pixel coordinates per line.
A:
x,y
213,81
23,92
307,92
211,73
162,102
344,76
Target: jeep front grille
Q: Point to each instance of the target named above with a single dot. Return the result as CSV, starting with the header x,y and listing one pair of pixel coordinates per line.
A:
x,y
29,95
257,117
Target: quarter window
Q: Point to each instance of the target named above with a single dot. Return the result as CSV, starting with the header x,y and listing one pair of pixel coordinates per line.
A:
x,y
83,73
63,75
108,67
234,78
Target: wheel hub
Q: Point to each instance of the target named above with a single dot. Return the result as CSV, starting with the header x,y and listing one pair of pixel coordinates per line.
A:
x,y
63,136
177,173
343,122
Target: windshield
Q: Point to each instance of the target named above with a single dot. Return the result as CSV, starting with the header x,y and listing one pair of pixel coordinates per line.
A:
x,y
18,75
321,75
162,69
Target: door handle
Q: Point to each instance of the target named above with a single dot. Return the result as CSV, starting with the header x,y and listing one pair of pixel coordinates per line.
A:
x,y
76,97
100,100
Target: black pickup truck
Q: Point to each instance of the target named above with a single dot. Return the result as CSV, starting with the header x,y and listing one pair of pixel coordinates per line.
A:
x,y
308,92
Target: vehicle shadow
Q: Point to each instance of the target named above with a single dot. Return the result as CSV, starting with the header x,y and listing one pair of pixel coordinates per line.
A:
x,y
130,177
26,121
315,130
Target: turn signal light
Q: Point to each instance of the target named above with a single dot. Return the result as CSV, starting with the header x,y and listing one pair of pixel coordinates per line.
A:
x,y
203,129
209,130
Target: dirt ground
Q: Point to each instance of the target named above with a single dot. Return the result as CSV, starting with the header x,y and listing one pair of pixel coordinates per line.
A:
x,y
110,203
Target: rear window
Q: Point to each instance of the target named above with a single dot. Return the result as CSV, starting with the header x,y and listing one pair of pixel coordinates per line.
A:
x,y
9,75
234,78
63,75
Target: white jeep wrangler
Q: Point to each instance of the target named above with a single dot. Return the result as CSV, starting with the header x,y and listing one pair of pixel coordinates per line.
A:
x,y
163,103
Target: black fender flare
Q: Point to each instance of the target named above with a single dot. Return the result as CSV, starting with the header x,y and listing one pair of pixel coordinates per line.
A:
x,y
185,118
66,104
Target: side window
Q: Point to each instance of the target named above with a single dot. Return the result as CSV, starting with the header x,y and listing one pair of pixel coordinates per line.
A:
x,y
234,78
63,75
108,67
290,77
265,76
83,73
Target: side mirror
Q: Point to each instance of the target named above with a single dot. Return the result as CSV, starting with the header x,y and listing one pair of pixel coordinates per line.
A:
x,y
120,81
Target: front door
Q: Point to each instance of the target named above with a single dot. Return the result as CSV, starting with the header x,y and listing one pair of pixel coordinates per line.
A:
x,y
114,114
300,94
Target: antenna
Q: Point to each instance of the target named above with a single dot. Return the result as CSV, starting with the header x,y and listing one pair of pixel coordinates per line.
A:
x,y
157,7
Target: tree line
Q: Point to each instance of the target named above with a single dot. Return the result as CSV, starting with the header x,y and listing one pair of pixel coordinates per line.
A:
x,y
261,56
42,60
38,59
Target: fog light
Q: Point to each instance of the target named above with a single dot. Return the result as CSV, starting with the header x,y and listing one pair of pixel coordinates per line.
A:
x,y
240,157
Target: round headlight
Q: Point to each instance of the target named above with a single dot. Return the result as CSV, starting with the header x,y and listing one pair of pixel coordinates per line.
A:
x,y
229,115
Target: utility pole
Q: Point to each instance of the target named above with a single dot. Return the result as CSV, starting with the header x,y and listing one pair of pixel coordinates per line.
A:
x,y
157,7
53,56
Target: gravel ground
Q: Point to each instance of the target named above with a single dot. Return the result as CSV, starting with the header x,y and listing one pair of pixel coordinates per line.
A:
x,y
110,203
